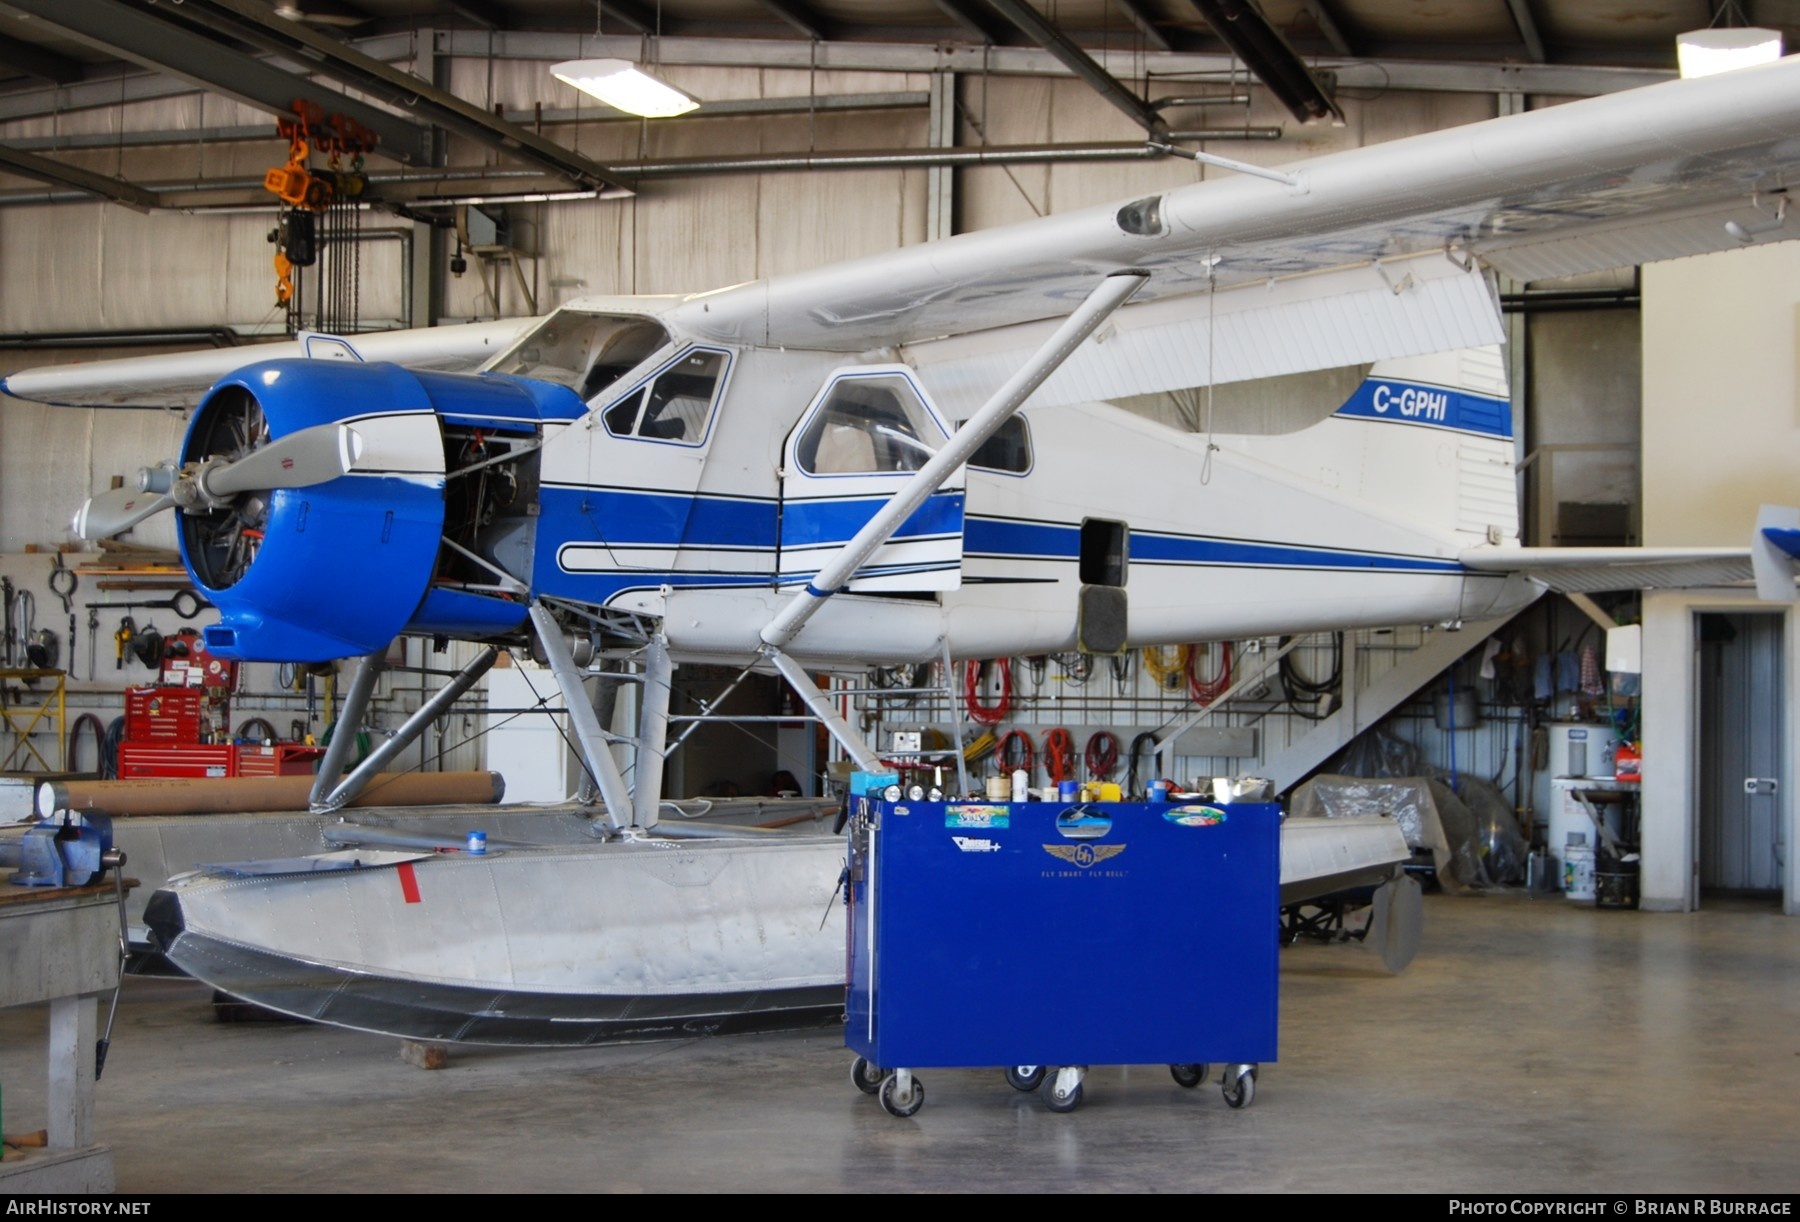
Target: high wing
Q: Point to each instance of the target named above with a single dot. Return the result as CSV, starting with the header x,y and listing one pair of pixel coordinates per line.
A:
x,y
179,379
1361,257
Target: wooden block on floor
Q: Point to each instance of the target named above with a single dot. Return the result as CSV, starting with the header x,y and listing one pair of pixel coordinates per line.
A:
x,y
425,1056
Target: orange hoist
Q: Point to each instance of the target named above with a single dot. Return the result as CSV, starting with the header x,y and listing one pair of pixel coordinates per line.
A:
x,y
309,192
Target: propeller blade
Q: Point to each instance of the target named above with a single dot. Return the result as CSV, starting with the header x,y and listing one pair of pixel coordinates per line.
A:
x,y
112,513
299,460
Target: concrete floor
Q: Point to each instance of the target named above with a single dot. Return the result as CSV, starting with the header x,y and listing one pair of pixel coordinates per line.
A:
x,y
1533,1046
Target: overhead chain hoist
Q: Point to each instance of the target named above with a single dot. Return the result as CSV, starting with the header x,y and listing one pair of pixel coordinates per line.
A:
x,y
309,192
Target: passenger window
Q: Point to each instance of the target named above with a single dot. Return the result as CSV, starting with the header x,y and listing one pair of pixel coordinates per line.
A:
x,y
673,406
868,425
1008,450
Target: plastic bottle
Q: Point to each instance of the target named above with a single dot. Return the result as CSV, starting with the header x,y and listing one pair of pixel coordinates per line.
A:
x,y
1578,868
1021,783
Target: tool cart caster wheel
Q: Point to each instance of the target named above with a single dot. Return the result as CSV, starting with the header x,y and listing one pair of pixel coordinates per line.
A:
x,y
1189,1076
1024,1077
866,1077
893,1105
1061,1094
1240,1091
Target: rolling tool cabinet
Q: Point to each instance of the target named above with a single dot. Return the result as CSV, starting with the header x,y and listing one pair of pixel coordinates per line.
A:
x,y
1042,938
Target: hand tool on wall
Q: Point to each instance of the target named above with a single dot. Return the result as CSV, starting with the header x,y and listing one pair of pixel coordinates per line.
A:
x,y
121,639
63,584
185,603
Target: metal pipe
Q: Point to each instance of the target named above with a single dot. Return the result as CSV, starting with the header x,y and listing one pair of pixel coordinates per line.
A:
x,y
345,835
348,725
1106,297
594,741
653,733
240,795
702,831
409,730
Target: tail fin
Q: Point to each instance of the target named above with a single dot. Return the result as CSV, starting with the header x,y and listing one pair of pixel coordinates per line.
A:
x,y
1774,549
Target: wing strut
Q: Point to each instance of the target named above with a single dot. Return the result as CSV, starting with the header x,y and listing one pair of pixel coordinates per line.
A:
x,y
596,750
1107,296
440,702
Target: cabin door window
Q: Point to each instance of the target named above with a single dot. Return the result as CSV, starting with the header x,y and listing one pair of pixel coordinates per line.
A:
x,y
864,437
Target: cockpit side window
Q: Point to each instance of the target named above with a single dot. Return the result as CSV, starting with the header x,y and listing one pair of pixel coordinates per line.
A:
x,y
867,425
676,404
585,352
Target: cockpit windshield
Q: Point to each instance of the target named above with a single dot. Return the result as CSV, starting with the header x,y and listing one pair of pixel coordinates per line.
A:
x,y
585,352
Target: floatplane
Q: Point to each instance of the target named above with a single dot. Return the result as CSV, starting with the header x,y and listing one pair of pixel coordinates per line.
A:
x,y
948,451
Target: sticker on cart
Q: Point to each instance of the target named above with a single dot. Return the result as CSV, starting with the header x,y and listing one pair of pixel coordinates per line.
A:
x,y
1085,856
1195,816
976,844
977,816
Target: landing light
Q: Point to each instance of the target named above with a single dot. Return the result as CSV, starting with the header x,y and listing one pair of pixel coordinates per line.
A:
x,y
624,86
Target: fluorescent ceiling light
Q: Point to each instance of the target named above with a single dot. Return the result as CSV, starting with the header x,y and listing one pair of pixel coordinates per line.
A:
x,y
1704,52
624,86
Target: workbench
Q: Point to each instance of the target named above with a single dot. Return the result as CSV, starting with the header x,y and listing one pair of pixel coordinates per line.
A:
x,y
61,945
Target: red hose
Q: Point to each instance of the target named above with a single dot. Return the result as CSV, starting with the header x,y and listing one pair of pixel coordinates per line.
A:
x,y
987,714
1205,691
1025,757
1059,756
1102,754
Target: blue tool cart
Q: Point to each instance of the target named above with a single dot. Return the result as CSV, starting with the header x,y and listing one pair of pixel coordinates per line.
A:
x,y
1045,937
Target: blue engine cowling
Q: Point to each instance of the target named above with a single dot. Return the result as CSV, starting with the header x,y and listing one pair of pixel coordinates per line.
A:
x,y
339,569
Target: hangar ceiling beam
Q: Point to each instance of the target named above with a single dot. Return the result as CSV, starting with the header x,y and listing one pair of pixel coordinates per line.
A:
x,y
801,17
1072,57
976,21
1528,29
1153,37
163,46
484,13
39,62
58,173
1242,27
258,24
1331,27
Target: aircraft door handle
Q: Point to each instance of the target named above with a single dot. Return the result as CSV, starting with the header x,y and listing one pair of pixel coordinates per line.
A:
x,y
1760,785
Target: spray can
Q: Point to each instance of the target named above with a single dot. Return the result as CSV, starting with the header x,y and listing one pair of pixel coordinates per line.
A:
x,y
477,843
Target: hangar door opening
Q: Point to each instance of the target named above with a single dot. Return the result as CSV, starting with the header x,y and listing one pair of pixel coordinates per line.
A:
x,y
1741,733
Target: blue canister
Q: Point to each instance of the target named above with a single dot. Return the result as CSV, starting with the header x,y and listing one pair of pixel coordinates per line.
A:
x,y
1159,791
1067,791
477,842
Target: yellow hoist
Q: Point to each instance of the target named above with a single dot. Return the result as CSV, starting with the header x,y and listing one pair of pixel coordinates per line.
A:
x,y
308,192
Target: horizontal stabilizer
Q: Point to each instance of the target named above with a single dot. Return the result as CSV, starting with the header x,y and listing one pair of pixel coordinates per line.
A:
x,y
1594,570
1774,548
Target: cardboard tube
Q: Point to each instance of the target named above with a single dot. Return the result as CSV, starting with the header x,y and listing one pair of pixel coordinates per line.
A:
x,y
242,795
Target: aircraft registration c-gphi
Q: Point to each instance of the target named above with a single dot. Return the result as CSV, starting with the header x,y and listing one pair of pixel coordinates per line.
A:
x,y
891,459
